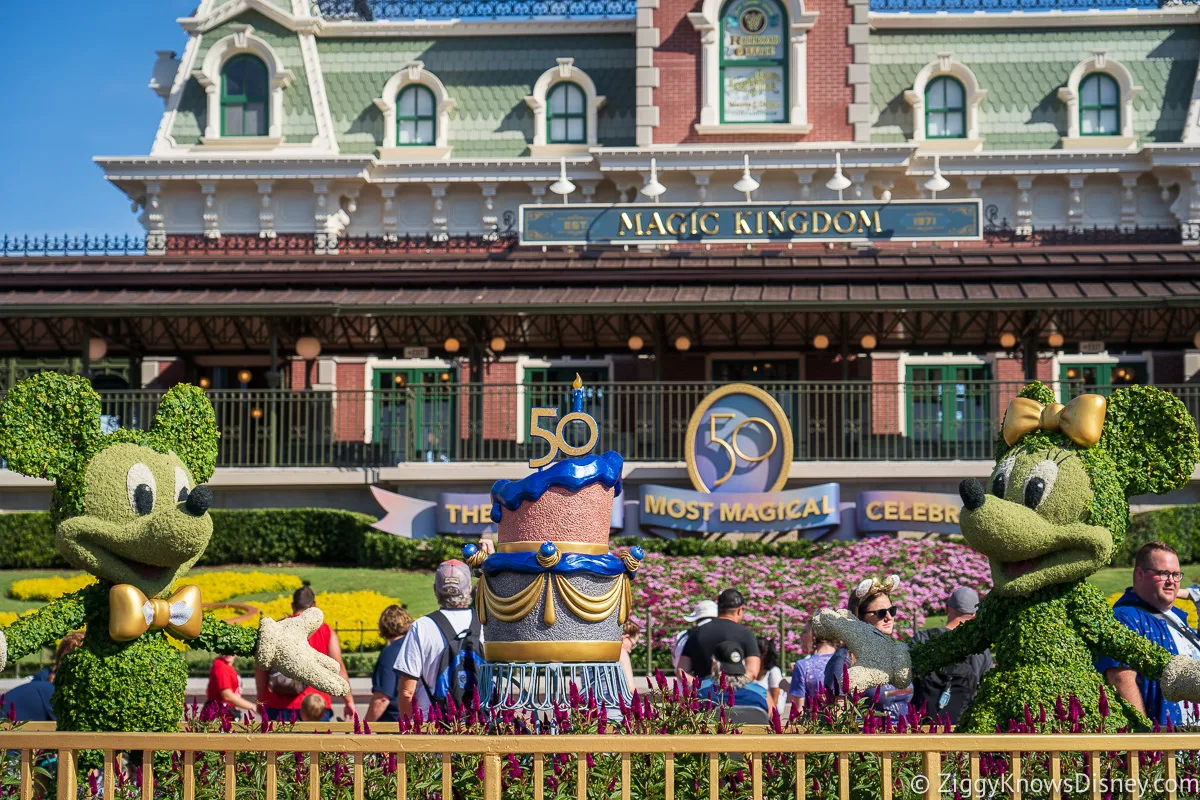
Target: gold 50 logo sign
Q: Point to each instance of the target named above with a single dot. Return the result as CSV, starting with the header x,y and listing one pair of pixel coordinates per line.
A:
x,y
738,449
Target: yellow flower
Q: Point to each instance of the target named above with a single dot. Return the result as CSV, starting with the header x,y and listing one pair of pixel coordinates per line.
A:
x,y
215,587
353,615
1188,606
50,588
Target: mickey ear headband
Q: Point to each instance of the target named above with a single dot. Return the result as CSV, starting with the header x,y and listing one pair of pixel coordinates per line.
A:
x,y
886,586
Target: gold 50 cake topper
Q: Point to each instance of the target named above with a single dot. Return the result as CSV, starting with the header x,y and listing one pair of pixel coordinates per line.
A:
x,y
555,438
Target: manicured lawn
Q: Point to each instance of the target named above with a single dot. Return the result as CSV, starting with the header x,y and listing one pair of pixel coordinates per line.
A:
x,y
414,589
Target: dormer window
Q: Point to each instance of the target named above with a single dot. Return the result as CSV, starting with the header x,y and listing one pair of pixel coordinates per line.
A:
x,y
245,97
416,117
566,115
945,109
1099,105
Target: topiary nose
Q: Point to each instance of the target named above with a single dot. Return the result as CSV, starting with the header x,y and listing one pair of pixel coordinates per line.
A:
x,y
972,493
199,500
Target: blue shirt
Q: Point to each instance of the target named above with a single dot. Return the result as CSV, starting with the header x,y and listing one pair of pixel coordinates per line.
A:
x,y
893,700
749,695
383,680
31,701
1132,612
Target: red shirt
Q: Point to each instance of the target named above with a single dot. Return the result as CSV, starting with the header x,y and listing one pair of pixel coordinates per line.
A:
x,y
222,676
319,641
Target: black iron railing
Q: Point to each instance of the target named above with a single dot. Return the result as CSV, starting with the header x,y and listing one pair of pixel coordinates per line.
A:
x,y
451,422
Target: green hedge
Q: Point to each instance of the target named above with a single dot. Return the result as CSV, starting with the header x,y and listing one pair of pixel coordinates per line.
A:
x,y
800,548
261,536
1177,526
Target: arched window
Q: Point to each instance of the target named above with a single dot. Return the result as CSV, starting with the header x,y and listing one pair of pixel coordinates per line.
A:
x,y
945,109
244,97
416,115
566,114
754,62
1099,105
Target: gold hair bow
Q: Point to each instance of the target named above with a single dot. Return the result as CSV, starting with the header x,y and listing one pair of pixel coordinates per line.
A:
x,y
1081,420
130,613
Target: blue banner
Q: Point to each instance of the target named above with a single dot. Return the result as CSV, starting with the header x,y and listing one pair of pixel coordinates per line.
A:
x,y
889,511
687,510
745,223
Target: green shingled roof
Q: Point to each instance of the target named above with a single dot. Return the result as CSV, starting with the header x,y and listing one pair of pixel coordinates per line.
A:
x,y
1022,72
299,122
488,77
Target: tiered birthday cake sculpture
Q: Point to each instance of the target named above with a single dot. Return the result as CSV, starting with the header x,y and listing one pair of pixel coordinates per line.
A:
x,y
553,592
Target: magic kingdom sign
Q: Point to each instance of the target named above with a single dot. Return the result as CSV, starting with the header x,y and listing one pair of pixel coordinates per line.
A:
x,y
749,223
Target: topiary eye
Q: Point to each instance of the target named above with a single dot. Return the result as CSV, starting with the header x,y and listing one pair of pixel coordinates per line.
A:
x,y
183,487
1040,483
1000,481
139,483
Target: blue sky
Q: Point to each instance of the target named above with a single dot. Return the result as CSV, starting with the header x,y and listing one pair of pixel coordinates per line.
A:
x,y
77,88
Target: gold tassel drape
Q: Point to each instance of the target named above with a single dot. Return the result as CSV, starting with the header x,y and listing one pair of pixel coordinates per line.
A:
x,y
588,608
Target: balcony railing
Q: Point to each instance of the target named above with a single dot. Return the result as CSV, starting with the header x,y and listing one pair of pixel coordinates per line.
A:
x,y
443,422
199,766
967,6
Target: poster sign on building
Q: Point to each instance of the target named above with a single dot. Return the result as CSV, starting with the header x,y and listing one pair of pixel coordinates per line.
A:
x,y
753,62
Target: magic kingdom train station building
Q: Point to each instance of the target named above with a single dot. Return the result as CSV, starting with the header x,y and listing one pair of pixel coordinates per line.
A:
x,y
380,232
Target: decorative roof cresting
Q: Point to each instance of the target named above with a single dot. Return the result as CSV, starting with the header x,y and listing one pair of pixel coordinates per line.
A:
x,y
478,10
969,6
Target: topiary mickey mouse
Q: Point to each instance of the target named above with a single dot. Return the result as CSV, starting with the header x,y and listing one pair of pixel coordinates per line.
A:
x,y
1050,515
130,508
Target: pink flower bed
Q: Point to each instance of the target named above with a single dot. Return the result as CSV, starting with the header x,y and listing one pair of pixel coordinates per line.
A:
x,y
798,588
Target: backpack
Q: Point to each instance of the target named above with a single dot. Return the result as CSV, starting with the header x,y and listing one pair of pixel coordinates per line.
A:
x,y
460,664
948,690
282,685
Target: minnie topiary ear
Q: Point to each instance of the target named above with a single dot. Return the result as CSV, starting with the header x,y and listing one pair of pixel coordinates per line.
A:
x,y
185,423
1151,438
49,423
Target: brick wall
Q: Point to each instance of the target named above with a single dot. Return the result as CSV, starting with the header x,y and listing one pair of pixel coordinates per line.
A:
x,y
297,374
1012,377
500,404
885,396
678,61
350,414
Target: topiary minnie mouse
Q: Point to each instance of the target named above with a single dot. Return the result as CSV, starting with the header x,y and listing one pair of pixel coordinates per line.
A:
x,y
1050,515
130,508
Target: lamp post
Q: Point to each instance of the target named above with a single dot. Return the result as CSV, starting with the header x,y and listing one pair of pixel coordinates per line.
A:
x,y
652,188
746,184
937,182
839,182
562,186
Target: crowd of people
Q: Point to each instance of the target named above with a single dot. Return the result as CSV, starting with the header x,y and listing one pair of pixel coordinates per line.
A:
x,y
436,658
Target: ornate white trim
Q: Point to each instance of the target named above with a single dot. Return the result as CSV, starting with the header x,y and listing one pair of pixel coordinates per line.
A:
x,y
326,139
279,77
708,22
565,72
415,72
945,65
1000,20
163,141
1069,94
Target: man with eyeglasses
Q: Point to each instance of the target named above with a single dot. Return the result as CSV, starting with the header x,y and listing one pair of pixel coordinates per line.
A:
x,y
1148,609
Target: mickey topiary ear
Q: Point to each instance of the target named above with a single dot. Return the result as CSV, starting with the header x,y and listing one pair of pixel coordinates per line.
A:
x,y
186,424
48,424
1152,440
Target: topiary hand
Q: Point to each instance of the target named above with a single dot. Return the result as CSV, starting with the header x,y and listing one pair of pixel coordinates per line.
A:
x,y
3,650
879,659
284,646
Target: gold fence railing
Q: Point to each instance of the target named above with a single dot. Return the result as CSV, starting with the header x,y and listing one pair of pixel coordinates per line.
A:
x,y
353,755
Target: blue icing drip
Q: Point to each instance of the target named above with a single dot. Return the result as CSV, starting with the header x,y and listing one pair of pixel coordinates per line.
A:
x,y
572,474
606,565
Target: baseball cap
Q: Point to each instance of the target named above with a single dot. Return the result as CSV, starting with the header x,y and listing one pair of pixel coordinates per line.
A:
x,y
453,577
730,599
964,600
730,657
705,609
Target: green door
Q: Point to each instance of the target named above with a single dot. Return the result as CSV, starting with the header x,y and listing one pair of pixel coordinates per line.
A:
x,y
414,415
949,407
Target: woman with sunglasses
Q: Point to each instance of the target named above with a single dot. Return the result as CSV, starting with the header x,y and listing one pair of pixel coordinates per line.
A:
x,y
871,602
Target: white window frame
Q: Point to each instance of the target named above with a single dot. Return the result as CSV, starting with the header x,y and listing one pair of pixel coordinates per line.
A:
x,y
242,40
708,22
565,72
945,66
1069,94
414,72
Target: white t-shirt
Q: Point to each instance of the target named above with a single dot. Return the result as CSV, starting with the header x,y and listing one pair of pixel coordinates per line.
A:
x,y
422,649
1184,647
772,679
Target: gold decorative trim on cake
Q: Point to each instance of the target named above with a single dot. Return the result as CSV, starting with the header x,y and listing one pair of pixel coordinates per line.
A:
x,y
589,608
563,547
551,651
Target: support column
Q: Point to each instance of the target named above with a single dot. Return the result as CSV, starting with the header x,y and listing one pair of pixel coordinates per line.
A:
x,y
491,223
212,220
266,214
441,223
1075,201
703,179
156,225
1129,210
389,223
1190,208
1024,208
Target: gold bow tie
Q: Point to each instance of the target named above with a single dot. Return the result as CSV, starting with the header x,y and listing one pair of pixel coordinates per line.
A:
x,y
130,613
1081,420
